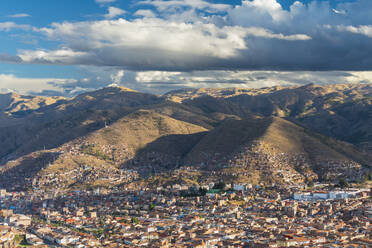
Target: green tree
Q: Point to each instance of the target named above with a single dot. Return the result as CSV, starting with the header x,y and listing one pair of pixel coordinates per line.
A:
x,y
220,185
135,220
202,191
310,184
152,205
343,183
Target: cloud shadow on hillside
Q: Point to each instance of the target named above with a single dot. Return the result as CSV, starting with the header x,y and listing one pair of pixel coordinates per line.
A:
x,y
164,153
20,177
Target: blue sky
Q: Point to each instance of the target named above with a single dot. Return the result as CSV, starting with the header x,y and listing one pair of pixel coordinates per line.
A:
x,y
67,47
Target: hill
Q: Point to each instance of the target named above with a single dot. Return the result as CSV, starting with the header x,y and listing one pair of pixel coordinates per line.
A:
x,y
12,103
115,136
53,125
273,149
143,141
342,111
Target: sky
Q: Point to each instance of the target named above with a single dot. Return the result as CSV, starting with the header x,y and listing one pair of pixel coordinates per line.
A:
x,y
69,47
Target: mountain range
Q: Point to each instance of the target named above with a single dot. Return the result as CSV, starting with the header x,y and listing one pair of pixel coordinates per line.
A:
x,y
115,136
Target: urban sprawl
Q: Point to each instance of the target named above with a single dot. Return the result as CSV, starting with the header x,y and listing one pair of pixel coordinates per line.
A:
x,y
213,215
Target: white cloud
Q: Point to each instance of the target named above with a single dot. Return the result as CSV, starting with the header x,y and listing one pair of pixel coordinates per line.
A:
x,y
62,56
158,76
12,83
155,38
158,82
224,41
362,29
247,79
261,32
145,13
151,43
20,15
340,12
7,26
117,77
257,34
114,12
265,8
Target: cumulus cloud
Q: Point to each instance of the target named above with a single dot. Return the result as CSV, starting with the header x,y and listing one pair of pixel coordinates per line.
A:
x,y
149,44
329,49
114,12
256,35
154,36
259,11
194,42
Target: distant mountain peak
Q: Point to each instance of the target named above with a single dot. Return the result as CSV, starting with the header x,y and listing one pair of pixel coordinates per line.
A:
x,y
113,85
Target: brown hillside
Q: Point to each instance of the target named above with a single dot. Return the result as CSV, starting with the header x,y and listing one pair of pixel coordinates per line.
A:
x,y
269,145
342,111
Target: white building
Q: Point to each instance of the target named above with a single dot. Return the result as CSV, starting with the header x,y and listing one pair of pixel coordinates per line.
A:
x,y
331,195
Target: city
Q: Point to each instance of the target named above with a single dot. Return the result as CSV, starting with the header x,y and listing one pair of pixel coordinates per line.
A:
x,y
241,215
186,123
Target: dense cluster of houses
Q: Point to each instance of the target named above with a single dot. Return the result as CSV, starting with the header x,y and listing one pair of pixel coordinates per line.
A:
x,y
329,195
239,215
